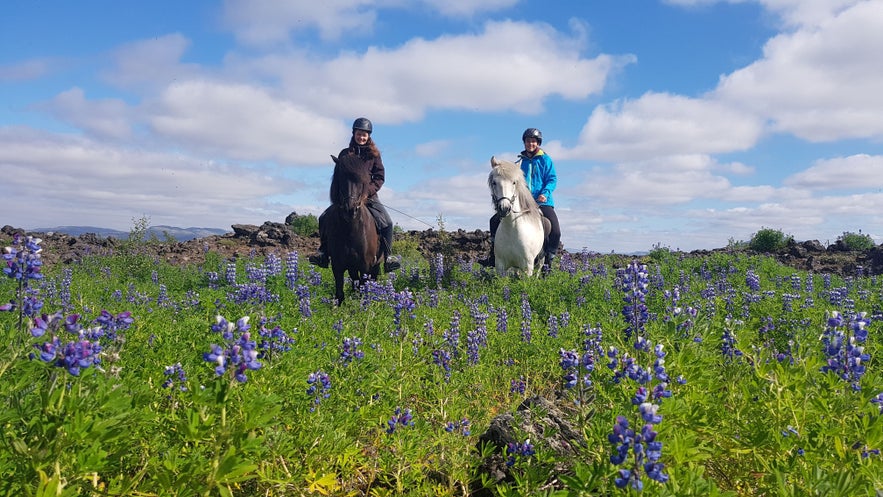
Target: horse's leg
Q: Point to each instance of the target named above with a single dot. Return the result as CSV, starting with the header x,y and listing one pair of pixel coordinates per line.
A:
x,y
338,283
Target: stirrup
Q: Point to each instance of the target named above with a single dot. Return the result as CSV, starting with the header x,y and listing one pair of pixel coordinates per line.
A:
x,y
392,263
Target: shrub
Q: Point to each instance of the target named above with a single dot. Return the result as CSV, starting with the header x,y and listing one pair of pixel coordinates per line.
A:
x,y
856,241
768,240
659,253
305,225
734,245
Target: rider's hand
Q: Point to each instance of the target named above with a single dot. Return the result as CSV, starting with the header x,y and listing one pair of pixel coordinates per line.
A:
x,y
541,198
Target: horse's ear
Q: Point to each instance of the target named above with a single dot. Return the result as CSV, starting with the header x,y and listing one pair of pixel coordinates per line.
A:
x,y
334,159
494,161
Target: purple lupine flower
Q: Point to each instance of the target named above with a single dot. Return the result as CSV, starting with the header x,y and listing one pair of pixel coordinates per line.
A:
x,y
65,293
272,265
526,316
752,280
23,264
461,427
443,359
879,401
437,267
45,323
23,258
319,386
502,320
553,326
517,450
451,336
303,296
272,341
403,302
72,356
846,357
291,269
241,353
114,324
350,351
230,273
399,418
212,278
634,287
173,371
728,344
519,386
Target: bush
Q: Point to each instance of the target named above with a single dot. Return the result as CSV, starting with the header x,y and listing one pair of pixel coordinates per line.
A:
x,y
769,240
734,245
305,225
856,241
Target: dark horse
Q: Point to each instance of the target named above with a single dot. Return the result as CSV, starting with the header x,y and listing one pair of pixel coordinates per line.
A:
x,y
349,230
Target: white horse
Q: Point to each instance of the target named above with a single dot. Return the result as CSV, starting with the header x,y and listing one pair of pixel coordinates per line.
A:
x,y
518,244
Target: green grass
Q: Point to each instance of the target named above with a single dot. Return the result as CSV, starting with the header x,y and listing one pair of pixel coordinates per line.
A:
x,y
749,424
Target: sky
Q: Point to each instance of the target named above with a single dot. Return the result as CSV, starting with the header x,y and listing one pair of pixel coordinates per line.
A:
x,y
685,124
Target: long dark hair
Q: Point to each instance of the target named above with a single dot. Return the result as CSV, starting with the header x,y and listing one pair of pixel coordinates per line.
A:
x,y
371,147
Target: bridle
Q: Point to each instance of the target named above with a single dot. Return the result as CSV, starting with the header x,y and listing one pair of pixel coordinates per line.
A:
x,y
497,199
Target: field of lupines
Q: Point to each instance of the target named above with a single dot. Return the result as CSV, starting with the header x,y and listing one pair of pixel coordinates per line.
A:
x,y
723,375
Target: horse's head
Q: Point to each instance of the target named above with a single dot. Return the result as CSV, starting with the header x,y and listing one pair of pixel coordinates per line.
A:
x,y
349,184
506,182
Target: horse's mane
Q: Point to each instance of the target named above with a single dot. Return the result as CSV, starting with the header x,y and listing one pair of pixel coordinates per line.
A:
x,y
508,171
347,169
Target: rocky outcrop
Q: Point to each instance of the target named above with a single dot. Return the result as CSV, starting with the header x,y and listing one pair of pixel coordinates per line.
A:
x,y
247,240
539,420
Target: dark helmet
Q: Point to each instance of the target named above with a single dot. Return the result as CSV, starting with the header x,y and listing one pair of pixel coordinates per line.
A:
x,y
533,133
363,124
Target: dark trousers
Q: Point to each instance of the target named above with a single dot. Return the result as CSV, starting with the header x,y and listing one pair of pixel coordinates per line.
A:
x,y
554,239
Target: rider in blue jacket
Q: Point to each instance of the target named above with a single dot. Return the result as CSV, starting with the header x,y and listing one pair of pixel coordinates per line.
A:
x,y
539,172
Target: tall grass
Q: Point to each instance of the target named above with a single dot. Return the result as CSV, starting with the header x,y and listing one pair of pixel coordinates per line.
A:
x,y
389,393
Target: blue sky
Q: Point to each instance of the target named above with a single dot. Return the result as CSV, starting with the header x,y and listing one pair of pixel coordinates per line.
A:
x,y
680,123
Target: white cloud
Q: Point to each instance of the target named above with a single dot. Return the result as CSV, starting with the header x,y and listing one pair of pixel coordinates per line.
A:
x,y
273,22
648,184
25,70
267,22
245,123
76,181
433,148
107,118
151,64
476,72
662,124
861,172
818,82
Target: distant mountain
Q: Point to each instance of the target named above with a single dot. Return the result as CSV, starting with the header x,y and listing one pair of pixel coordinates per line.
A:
x,y
160,232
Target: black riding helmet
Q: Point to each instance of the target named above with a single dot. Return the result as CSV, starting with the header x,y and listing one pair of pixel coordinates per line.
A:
x,y
533,133
363,124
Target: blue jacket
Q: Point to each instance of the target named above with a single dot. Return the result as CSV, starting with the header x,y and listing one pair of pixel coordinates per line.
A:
x,y
539,172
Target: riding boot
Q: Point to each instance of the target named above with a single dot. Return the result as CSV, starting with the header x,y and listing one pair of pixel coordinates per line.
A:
x,y
490,260
550,258
392,262
320,258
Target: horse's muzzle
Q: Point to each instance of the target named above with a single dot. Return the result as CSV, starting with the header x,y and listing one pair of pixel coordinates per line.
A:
x,y
504,207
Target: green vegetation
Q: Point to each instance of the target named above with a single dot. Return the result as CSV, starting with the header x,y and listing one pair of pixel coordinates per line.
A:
x,y
370,398
305,225
768,240
856,241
